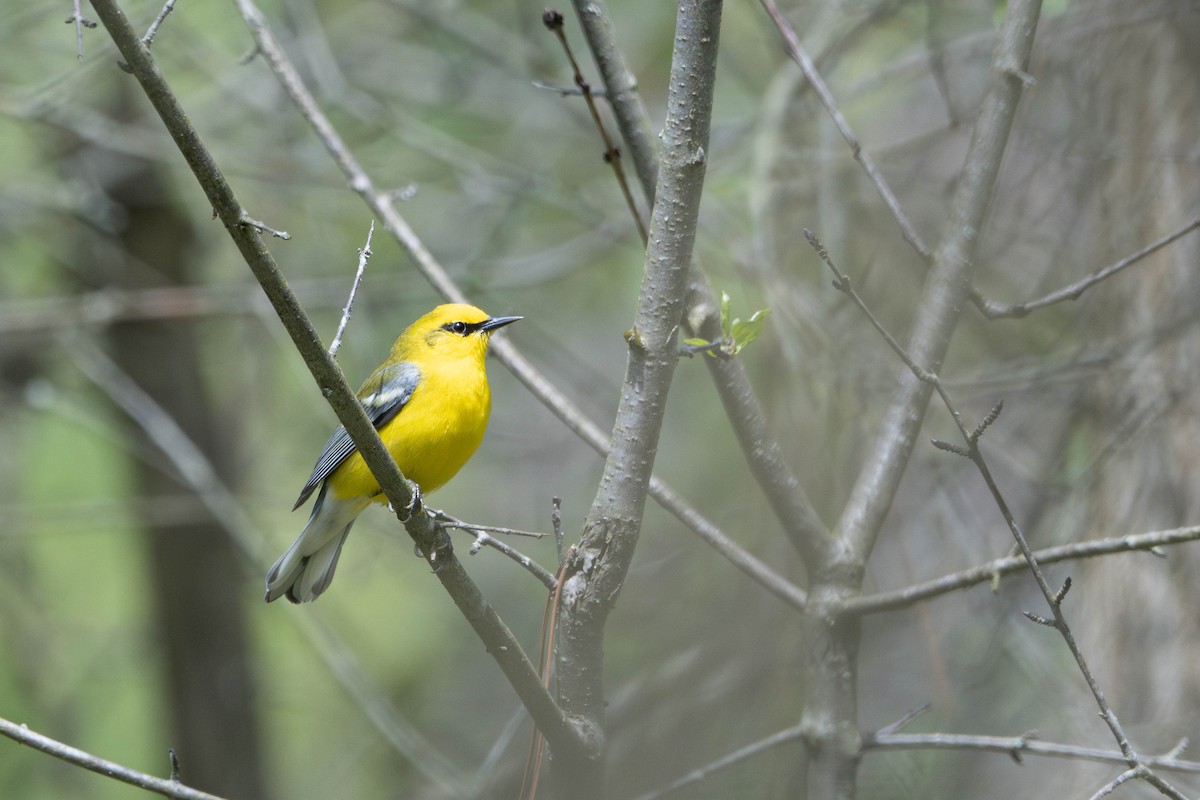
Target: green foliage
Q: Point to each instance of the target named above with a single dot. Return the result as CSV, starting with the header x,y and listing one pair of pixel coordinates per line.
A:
x,y
737,333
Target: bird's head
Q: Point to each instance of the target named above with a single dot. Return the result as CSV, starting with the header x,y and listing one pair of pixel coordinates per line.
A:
x,y
450,331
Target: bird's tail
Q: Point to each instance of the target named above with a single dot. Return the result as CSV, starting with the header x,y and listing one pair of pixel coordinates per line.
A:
x,y
306,569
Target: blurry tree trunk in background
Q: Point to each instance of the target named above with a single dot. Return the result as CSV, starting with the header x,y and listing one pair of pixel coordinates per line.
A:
x,y
1141,148
197,586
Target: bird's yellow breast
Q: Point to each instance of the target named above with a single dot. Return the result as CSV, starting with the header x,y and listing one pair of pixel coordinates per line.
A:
x,y
433,436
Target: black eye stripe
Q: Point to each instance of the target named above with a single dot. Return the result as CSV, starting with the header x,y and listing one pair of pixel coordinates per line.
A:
x,y
462,328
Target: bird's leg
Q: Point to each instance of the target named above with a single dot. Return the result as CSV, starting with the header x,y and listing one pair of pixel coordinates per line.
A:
x,y
442,547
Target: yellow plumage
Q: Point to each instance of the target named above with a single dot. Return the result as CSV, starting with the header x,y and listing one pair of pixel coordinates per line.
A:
x,y
430,402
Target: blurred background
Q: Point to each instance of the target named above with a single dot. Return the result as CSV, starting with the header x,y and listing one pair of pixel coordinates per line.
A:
x,y
156,423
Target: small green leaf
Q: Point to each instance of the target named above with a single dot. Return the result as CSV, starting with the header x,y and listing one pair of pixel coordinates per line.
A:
x,y
725,302
745,332
696,342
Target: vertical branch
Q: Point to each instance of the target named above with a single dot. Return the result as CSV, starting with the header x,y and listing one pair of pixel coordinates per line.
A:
x,y
595,574
947,284
830,716
763,455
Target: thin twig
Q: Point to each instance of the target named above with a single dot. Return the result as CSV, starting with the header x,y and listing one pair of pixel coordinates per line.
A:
x,y
81,22
1111,786
994,310
364,255
800,56
263,227
702,773
907,717
110,769
553,20
567,91
986,573
483,539
49,315
1014,746
454,522
152,31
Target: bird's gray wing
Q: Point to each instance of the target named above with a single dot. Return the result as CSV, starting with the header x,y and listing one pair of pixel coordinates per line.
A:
x,y
382,395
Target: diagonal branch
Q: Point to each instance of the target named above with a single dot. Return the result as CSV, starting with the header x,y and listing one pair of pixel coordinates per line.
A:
x,y
946,286
796,50
994,310
986,573
500,642
199,474
111,769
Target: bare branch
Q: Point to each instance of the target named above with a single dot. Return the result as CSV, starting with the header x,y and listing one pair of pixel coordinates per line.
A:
x,y
800,56
263,227
613,524
484,538
106,306
553,20
152,31
81,22
501,644
111,769
1008,67
363,256
986,573
1011,746
994,310
940,307
1112,785
724,762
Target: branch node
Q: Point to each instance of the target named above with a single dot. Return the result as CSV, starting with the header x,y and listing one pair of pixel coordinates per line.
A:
x,y
1021,743
552,18
175,769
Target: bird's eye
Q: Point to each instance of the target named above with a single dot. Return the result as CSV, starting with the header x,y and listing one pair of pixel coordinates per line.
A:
x,y
458,327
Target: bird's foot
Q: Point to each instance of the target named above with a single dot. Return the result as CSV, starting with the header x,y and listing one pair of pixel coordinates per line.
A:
x,y
405,516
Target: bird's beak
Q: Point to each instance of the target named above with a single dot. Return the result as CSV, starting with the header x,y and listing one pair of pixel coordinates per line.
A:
x,y
493,323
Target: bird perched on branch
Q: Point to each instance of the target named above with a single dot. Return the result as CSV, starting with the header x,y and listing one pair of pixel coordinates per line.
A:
x,y
430,403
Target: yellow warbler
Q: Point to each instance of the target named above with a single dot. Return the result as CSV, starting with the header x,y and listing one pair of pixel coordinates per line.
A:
x,y
430,403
